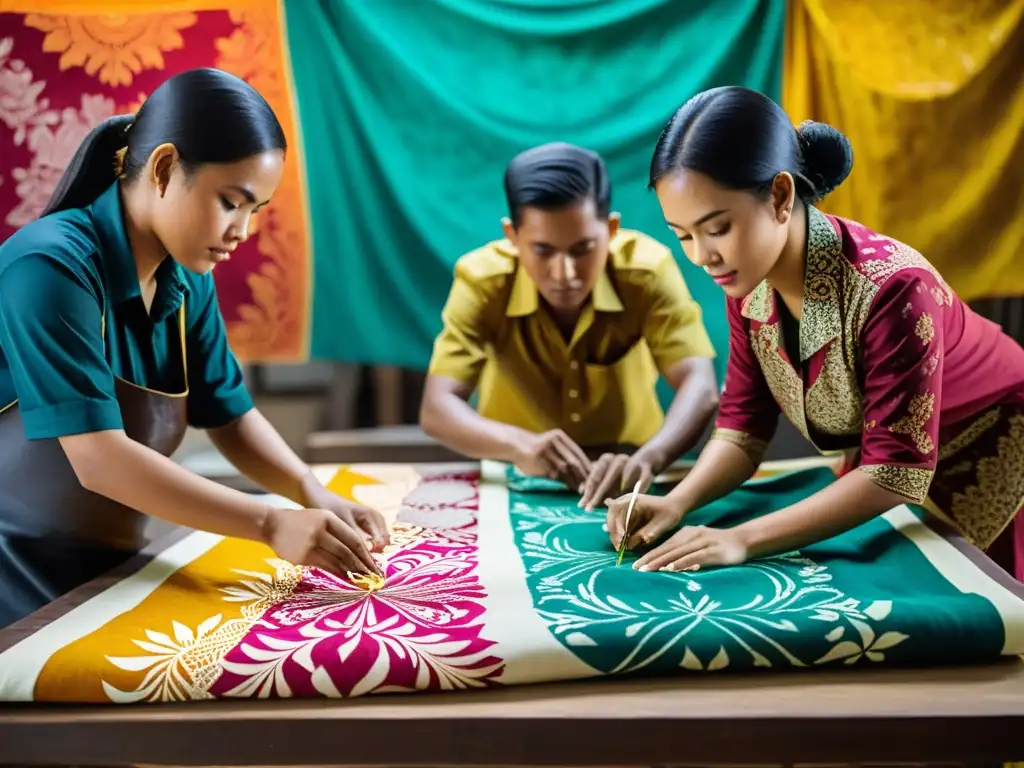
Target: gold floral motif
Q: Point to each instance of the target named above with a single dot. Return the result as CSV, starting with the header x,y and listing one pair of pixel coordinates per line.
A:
x,y
984,509
973,431
821,319
834,404
907,310
754,447
758,304
784,382
904,257
932,363
273,325
912,482
114,46
913,424
925,328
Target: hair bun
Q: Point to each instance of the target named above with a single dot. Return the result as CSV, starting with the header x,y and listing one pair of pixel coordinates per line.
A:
x,y
827,156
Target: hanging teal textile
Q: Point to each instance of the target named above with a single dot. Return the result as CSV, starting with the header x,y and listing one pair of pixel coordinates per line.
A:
x,y
410,111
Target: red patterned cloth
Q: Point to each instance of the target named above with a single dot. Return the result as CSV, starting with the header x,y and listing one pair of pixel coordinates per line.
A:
x,y
60,75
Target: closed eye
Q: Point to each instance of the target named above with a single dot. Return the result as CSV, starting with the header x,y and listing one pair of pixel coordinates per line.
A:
x,y
724,230
228,205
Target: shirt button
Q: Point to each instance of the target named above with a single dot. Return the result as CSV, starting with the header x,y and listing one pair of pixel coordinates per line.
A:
x,y
573,393
574,365
574,416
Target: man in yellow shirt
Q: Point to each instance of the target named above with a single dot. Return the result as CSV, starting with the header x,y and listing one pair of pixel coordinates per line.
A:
x,y
562,328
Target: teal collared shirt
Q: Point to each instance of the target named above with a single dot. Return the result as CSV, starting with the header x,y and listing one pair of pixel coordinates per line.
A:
x,y
72,318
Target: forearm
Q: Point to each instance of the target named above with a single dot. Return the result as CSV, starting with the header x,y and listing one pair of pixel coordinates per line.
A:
x,y
692,408
259,452
720,469
113,465
851,500
452,421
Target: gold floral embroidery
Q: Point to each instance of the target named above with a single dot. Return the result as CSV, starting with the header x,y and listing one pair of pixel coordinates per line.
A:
x,y
925,328
904,257
784,382
758,303
833,401
116,46
973,431
821,319
752,446
907,310
912,482
984,509
918,414
931,364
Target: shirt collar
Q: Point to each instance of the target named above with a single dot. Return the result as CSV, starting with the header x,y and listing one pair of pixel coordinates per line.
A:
x,y
524,298
119,264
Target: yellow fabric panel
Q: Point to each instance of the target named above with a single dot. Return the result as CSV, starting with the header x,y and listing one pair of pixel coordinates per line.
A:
x,y
207,619
933,104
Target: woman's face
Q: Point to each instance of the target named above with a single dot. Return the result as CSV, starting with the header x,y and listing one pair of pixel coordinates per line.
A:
x,y
200,218
734,235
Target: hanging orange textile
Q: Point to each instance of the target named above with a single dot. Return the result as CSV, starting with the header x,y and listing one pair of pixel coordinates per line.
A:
x,y
66,69
932,99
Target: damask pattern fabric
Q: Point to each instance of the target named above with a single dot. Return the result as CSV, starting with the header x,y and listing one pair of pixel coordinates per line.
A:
x,y
486,586
65,70
933,104
893,371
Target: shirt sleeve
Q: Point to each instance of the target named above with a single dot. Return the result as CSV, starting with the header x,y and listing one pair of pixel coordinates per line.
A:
x,y
460,349
673,325
217,392
747,413
902,360
51,332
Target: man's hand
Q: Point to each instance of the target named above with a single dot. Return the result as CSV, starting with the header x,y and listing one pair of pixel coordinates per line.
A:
x,y
554,455
615,473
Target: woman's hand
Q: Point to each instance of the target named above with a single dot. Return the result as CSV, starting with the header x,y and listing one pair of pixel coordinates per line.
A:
x,y
614,473
368,521
652,517
320,538
695,546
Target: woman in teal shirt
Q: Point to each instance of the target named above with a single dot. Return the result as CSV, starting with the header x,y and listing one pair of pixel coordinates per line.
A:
x,y
112,344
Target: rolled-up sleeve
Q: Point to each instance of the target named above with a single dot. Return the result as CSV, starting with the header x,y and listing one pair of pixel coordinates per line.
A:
x,y
902,359
747,413
51,332
217,391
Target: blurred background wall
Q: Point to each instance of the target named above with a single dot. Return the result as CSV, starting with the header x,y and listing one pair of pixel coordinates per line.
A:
x,y
402,114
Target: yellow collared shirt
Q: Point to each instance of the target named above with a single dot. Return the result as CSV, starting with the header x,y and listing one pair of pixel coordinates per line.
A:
x,y
599,387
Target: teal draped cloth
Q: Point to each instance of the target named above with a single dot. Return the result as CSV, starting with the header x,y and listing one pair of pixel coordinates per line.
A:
x,y
411,110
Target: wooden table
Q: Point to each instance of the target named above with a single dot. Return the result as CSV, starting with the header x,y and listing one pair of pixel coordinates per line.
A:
x,y
963,715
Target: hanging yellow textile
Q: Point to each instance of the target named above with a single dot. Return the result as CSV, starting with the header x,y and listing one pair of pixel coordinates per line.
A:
x,y
66,65
931,96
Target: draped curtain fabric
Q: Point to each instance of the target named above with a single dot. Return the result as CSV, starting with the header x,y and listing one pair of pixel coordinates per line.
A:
x,y
410,112
65,70
932,98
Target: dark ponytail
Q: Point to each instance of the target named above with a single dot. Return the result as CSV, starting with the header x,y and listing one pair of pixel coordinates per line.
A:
x,y
92,169
743,140
208,115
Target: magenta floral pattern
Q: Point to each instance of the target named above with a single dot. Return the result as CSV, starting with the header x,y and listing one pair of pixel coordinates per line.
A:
x,y
420,628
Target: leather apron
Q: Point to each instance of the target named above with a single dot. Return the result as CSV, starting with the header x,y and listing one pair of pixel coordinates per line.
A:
x,y
54,534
